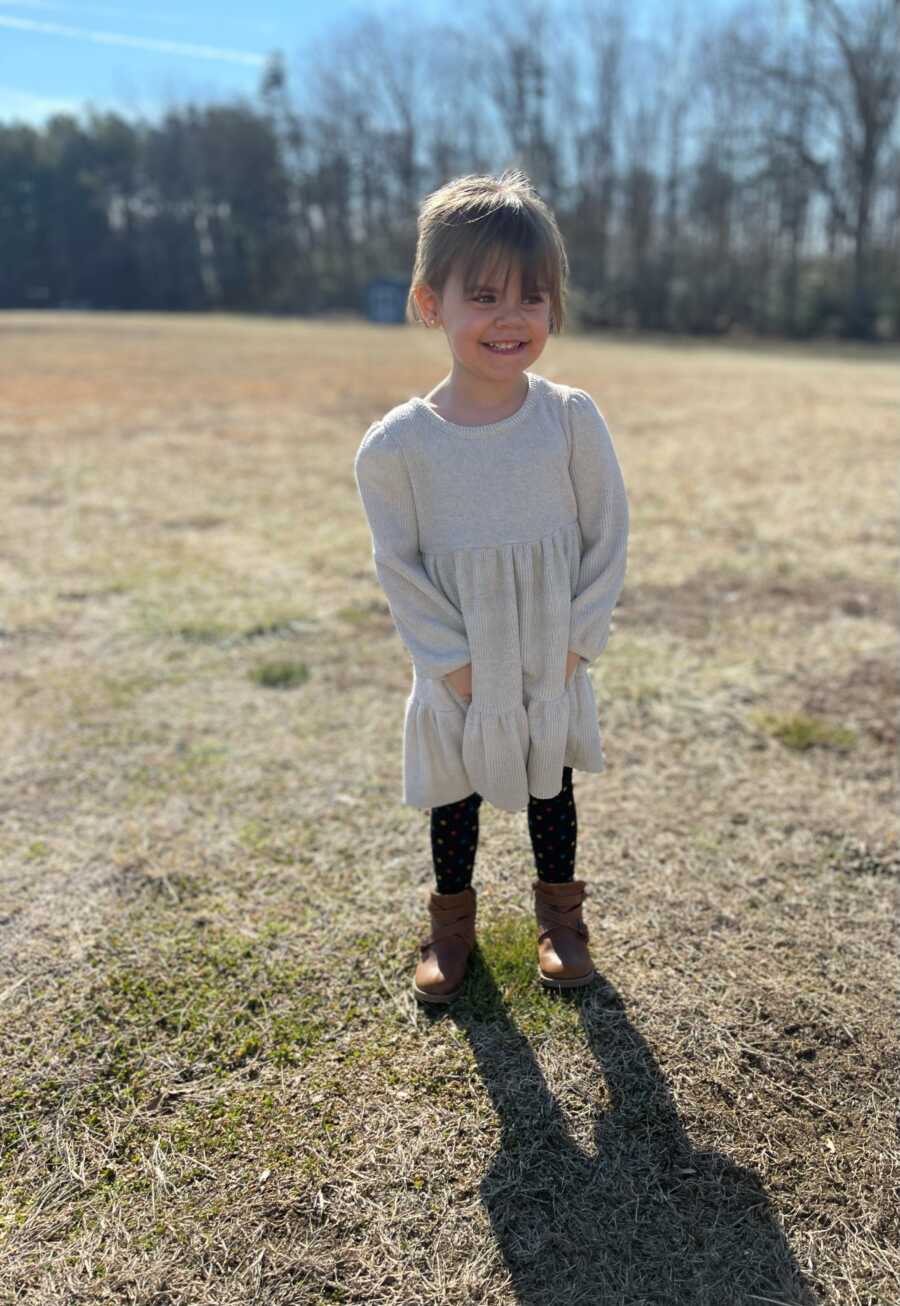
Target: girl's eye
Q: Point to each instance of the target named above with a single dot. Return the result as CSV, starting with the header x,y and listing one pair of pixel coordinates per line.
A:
x,y
486,295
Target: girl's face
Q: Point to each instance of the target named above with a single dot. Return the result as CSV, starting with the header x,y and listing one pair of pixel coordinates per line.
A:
x,y
488,314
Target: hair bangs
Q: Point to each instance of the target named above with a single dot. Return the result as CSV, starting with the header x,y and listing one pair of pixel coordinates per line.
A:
x,y
505,239
483,227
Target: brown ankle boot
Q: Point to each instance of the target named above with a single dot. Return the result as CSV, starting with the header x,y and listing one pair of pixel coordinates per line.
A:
x,y
564,961
445,953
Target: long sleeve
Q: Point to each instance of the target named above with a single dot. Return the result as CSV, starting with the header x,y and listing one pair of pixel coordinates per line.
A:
x,y
429,625
604,520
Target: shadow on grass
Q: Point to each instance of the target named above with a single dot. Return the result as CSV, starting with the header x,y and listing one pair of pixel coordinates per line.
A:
x,y
647,1219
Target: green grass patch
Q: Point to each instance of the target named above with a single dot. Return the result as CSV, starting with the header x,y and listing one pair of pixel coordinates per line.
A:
x,y
277,629
123,691
203,632
216,999
280,674
502,981
215,631
169,1003
169,1035
797,730
197,757
362,614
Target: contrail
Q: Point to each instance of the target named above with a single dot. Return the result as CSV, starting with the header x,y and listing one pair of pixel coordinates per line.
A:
x,y
118,13
136,42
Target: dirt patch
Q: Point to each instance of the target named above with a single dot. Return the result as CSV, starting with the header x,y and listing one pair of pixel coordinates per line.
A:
x,y
690,609
867,697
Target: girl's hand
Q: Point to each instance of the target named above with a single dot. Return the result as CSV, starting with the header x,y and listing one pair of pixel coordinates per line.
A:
x,y
572,660
461,680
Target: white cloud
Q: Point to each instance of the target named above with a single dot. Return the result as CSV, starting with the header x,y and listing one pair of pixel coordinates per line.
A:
x,y
135,42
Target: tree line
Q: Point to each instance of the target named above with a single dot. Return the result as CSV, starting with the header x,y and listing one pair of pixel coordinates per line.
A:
x,y
742,175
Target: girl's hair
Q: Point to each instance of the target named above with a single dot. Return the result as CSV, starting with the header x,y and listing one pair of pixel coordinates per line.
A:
x,y
476,220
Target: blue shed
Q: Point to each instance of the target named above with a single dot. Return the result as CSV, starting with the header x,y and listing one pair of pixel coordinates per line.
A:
x,y
385,300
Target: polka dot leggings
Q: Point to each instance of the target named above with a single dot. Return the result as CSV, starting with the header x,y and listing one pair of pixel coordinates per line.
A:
x,y
552,826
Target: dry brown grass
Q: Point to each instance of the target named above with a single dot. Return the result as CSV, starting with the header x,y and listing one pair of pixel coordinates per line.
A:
x,y
217,1087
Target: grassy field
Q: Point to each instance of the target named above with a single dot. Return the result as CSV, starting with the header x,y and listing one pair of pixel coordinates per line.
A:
x,y
217,1087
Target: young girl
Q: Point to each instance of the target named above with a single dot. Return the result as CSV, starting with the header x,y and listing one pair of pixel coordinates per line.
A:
x,y
499,521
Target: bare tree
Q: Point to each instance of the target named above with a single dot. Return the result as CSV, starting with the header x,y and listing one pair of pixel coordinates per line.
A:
x,y
514,76
597,147
845,95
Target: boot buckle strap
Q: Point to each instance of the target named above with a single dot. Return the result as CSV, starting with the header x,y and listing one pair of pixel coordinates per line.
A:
x,y
578,926
549,915
445,932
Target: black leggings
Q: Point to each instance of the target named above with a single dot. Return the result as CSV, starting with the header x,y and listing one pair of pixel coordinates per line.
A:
x,y
552,826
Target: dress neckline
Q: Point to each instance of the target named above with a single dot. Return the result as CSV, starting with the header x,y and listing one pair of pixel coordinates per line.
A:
x,y
513,419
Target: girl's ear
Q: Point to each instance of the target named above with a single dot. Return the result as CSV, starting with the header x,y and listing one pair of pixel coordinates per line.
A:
x,y
425,303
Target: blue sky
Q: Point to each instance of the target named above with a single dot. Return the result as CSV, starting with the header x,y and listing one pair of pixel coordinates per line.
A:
x,y
139,58
57,54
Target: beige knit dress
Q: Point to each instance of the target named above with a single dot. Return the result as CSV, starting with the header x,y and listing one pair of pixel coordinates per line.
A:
x,y
503,546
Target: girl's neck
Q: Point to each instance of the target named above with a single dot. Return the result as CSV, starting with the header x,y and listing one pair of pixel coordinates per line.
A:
x,y
468,400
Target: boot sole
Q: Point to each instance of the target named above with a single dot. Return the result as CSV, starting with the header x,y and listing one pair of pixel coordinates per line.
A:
x,y
578,982
435,997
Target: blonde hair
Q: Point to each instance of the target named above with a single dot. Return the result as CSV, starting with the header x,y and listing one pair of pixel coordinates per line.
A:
x,y
476,217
